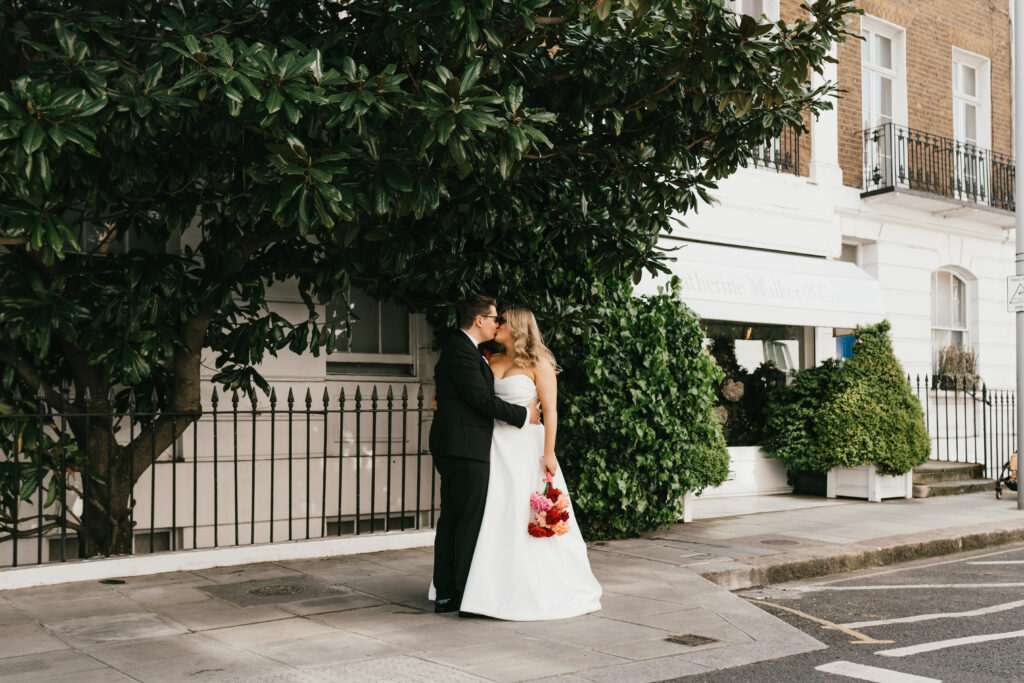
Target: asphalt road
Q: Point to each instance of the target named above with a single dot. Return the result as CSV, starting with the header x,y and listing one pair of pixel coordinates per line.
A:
x,y
953,618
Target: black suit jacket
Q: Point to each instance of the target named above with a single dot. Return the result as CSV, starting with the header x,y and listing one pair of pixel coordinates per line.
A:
x,y
466,404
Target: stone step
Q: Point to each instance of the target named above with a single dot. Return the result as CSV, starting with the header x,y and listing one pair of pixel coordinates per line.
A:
x,y
954,488
935,471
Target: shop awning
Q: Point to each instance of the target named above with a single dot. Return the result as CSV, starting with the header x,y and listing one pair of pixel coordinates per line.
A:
x,y
747,285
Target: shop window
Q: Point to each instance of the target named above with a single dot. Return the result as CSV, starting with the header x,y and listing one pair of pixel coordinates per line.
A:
x,y
757,360
372,337
950,313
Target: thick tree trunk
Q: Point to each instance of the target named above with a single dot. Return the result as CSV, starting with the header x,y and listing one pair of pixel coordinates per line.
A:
x,y
106,521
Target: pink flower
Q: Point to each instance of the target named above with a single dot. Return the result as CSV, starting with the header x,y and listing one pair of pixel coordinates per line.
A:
x,y
560,529
539,502
562,502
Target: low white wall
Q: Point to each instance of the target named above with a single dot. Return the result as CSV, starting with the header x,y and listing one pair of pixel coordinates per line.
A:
x,y
751,472
158,563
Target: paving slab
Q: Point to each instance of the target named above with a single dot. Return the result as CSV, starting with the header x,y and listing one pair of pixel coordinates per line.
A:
x,y
95,630
366,617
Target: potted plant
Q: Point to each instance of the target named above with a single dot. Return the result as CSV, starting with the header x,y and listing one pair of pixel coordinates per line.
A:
x,y
858,423
958,368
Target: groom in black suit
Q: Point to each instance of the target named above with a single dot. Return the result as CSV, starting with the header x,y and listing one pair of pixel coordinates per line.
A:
x,y
460,443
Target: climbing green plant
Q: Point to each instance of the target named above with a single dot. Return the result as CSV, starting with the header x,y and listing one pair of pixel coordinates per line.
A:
x,y
636,423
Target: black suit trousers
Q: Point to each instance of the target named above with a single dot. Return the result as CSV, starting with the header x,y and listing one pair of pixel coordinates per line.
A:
x,y
463,495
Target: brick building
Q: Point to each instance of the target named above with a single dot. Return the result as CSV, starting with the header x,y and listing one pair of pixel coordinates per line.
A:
x,y
898,204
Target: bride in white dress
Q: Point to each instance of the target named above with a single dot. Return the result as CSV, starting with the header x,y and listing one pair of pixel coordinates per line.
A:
x,y
514,575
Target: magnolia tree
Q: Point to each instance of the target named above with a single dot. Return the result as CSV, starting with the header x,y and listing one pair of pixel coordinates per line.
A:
x,y
162,164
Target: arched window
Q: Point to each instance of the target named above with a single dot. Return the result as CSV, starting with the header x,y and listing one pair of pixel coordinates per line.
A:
x,y
950,313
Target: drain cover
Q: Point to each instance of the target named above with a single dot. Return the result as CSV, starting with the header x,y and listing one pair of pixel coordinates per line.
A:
x,y
691,640
778,541
275,590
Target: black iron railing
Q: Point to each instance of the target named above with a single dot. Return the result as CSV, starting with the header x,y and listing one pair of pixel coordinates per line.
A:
x,y
899,157
255,471
781,153
968,423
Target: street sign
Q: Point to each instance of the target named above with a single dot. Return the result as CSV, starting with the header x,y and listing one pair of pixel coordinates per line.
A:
x,y
1015,293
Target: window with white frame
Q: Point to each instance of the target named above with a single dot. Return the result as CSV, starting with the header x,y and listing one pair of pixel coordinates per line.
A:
x,y
971,126
756,8
883,94
378,338
949,312
971,118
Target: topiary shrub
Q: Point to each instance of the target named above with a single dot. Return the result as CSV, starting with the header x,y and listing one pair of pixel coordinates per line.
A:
x,y
790,430
636,423
860,413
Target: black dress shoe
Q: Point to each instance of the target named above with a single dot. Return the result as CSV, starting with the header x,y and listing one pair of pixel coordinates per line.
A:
x,y
470,615
445,606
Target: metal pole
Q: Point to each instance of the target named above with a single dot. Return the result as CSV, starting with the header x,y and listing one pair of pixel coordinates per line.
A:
x,y
1018,193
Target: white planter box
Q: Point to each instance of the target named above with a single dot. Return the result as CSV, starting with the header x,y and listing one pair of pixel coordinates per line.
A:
x,y
752,472
866,482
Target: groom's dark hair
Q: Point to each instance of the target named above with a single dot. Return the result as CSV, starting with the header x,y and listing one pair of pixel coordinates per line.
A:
x,y
472,306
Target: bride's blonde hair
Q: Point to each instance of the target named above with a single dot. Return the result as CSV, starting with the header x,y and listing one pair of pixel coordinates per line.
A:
x,y
527,346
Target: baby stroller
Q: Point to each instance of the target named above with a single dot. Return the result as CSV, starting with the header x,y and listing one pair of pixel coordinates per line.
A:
x,y
1008,477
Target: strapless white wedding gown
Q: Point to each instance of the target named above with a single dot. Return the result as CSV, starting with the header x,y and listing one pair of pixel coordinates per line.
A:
x,y
515,576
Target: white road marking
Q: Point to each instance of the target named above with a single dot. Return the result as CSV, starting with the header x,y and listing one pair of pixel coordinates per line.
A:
x,y
893,587
952,642
999,562
939,615
860,638
872,673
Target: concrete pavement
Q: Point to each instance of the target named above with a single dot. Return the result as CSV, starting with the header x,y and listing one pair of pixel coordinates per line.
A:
x,y
666,610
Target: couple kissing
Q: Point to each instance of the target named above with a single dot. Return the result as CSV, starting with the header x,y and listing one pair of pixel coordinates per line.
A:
x,y
492,452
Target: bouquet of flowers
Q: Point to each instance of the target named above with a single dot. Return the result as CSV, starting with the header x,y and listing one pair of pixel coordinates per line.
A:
x,y
550,509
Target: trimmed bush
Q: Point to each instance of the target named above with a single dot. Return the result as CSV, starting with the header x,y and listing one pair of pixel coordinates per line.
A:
x,y
636,423
860,413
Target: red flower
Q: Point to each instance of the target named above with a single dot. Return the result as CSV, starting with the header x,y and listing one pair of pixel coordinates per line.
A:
x,y
539,531
487,354
553,494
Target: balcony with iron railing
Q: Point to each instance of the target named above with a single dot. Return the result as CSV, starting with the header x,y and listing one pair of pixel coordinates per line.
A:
x,y
781,154
942,175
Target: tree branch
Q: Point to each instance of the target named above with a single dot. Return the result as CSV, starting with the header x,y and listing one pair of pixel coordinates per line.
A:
x,y
29,375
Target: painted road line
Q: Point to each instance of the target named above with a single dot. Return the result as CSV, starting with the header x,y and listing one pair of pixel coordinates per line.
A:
x,y
939,615
894,587
861,639
999,562
872,673
952,642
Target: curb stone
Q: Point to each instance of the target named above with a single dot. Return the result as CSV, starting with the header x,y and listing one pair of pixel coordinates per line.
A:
x,y
834,559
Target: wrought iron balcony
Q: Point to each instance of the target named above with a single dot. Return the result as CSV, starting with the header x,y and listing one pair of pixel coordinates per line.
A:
x,y
901,159
781,153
